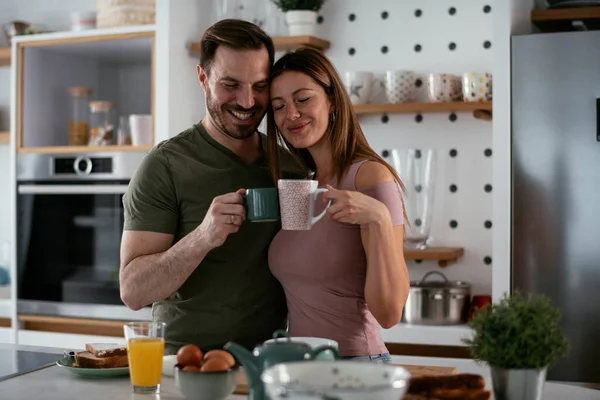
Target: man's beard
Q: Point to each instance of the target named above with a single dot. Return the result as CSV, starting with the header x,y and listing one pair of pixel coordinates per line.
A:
x,y
220,119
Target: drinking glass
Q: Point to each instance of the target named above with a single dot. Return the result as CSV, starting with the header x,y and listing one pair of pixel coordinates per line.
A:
x,y
416,168
145,348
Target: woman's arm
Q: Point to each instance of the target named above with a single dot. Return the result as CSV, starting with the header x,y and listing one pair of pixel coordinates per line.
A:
x,y
387,283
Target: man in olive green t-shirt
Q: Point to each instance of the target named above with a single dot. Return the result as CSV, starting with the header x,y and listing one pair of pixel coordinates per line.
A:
x,y
187,248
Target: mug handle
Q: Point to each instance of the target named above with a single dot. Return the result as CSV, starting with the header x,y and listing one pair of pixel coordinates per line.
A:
x,y
316,193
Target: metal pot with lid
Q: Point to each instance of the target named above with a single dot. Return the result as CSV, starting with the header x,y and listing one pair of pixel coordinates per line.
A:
x,y
437,302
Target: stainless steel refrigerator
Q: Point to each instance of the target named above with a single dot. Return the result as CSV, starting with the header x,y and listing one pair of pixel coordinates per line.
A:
x,y
556,186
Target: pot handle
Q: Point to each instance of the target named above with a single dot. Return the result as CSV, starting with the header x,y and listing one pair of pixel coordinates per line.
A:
x,y
431,273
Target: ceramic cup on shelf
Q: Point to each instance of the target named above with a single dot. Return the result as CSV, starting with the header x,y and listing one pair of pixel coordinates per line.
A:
x,y
362,86
400,86
140,126
443,88
477,87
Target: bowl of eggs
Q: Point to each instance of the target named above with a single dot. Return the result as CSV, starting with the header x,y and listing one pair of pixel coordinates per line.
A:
x,y
205,376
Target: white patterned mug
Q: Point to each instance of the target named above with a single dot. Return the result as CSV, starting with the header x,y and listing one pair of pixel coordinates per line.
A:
x,y
400,86
443,88
297,199
477,87
362,86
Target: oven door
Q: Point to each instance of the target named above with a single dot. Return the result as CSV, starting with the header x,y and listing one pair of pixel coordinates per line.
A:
x,y
68,239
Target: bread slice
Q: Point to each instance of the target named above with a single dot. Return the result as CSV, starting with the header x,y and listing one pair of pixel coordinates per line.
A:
x,y
85,359
448,387
106,349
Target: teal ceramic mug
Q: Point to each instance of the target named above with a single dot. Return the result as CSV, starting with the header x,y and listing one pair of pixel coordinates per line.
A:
x,y
262,204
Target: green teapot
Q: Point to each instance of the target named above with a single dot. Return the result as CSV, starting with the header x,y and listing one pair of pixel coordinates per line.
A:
x,y
271,353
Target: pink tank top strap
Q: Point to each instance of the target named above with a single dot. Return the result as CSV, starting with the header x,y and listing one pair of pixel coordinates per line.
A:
x,y
349,180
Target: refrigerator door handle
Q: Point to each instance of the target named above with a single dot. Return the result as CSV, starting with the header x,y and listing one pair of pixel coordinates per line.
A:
x,y
597,120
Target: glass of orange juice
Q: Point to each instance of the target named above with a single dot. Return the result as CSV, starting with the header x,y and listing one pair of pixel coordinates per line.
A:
x,y
145,348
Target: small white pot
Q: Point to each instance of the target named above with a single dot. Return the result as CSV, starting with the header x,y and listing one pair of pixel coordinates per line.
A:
x,y
301,22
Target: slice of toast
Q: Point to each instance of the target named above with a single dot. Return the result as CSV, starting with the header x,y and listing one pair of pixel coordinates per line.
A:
x,y
106,349
85,359
448,387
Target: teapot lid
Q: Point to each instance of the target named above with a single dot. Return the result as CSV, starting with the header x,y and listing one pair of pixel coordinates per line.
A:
x,y
281,343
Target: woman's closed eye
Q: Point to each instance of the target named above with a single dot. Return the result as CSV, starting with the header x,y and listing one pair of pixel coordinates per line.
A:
x,y
278,107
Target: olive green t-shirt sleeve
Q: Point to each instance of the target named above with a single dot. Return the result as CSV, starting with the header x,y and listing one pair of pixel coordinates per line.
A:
x,y
150,202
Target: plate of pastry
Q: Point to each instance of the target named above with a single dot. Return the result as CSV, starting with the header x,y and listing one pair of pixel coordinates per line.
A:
x,y
99,360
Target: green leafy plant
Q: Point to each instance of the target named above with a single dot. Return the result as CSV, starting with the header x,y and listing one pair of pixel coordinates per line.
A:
x,y
519,332
295,5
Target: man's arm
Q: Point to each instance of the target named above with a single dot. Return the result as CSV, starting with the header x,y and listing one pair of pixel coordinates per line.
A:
x,y
151,269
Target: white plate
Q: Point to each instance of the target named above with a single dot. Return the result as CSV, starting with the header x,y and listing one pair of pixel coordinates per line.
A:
x,y
169,365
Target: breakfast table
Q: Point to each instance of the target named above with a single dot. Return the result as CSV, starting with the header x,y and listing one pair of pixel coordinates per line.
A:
x,y
54,383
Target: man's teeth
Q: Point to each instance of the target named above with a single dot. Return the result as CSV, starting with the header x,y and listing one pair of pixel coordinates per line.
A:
x,y
241,115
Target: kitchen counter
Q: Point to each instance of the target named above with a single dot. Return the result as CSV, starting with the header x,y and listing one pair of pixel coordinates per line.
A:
x,y
54,383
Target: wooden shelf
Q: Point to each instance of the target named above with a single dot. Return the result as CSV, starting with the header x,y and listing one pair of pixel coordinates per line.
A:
x,y
81,149
4,137
5,56
562,19
445,256
82,326
481,110
286,43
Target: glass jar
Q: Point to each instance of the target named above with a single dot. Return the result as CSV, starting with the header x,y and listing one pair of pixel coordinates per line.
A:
x,y
79,121
101,127
123,131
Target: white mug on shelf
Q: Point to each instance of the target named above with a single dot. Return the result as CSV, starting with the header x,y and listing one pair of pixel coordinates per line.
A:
x,y
477,87
444,88
400,86
362,86
140,126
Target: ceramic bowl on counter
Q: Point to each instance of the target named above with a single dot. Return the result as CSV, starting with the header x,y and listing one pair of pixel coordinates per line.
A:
x,y
342,380
216,385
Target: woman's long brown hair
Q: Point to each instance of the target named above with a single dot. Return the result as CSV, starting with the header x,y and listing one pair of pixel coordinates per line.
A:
x,y
347,140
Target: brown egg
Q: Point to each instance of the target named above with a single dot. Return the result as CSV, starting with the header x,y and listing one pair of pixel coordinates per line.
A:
x,y
222,355
191,368
215,364
189,354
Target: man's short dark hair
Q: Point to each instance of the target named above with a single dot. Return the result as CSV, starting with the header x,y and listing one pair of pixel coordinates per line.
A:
x,y
236,34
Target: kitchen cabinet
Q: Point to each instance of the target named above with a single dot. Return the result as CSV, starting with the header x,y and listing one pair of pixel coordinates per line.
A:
x,y
566,19
117,65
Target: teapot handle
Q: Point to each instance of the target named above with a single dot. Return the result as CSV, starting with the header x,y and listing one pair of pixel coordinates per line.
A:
x,y
320,349
281,333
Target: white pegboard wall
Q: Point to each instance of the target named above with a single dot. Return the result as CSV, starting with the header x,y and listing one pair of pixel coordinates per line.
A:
x,y
429,36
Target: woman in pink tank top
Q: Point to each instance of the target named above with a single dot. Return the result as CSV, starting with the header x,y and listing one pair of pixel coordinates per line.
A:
x,y
346,277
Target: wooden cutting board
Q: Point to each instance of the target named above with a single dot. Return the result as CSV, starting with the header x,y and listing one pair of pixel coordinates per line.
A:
x,y
415,371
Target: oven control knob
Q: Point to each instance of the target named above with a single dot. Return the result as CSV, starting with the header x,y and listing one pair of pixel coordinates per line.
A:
x,y
82,165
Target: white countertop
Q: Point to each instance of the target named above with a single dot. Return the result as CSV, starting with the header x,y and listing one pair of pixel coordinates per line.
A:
x,y
54,383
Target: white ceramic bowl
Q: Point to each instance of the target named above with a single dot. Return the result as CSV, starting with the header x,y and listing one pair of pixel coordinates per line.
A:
x,y
343,380
313,342
217,385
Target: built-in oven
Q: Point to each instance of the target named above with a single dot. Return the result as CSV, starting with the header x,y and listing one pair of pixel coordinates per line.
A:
x,y
69,227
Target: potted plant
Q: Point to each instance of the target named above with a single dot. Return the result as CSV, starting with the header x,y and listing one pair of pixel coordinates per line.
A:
x,y
300,15
519,338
